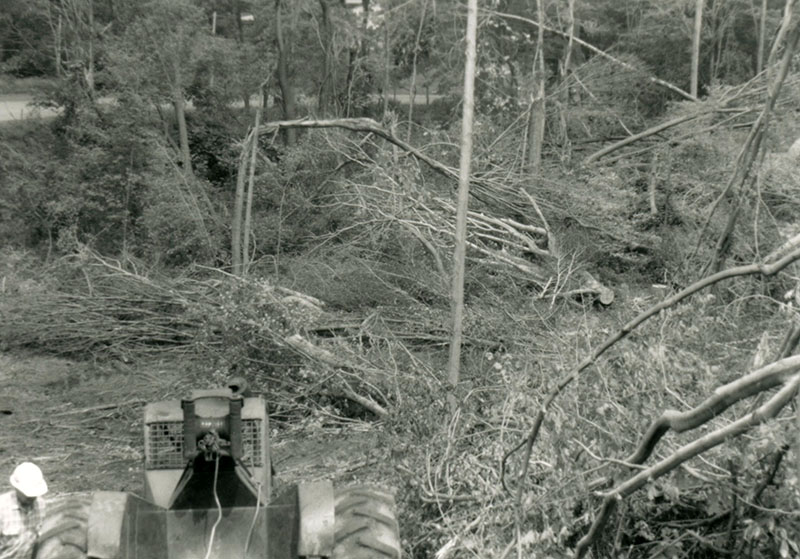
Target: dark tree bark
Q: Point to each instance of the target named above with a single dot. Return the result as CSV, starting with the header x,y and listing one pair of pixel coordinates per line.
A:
x,y
698,27
287,92
325,101
762,34
536,119
237,8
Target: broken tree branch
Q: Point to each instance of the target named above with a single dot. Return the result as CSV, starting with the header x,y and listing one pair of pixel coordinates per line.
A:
x,y
483,190
303,346
597,51
644,134
361,125
725,396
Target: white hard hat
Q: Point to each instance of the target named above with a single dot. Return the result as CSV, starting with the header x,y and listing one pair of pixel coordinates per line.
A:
x,y
28,479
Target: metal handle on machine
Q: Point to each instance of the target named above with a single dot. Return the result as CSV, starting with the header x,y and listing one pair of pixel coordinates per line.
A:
x,y
235,411
190,429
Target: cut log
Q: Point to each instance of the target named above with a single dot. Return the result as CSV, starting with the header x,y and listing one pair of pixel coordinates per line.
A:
x,y
591,287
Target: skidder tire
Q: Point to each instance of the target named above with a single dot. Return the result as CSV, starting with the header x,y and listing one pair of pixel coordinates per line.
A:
x,y
366,524
65,529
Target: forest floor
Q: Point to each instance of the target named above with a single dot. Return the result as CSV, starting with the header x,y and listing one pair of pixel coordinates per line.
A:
x,y
81,422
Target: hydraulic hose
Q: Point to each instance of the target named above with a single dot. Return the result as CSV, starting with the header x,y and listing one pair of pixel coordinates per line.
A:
x,y
219,508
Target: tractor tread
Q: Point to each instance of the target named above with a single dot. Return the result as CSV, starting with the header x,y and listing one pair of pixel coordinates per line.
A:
x,y
370,493
64,530
366,524
379,546
378,516
352,528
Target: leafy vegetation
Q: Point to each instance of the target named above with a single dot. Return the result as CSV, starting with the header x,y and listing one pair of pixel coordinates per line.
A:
x,y
117,216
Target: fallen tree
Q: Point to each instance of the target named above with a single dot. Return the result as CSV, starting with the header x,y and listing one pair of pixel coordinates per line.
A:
x,y
524,246
109,309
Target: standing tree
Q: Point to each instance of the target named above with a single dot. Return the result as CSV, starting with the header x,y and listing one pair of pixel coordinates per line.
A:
x,y
742,179
762,33
284,83
157,59
565,67
459,256
326,86
537,115
358,48
698,27
412,90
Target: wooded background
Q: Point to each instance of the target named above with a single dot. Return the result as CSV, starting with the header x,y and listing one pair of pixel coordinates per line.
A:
x,y
270,188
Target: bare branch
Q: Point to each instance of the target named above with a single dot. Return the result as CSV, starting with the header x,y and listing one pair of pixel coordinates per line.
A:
x,y
597,51
725,396
644,134
790,252
361,125
767,411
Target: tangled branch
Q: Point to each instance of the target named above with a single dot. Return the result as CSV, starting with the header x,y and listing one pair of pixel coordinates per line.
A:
x,y
764,412
774,263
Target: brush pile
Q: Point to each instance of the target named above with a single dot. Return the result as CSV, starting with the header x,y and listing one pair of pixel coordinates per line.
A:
x,y
107,309
90,305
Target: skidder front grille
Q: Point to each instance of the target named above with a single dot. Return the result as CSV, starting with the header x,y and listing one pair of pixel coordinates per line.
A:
x,y
164,444
251,441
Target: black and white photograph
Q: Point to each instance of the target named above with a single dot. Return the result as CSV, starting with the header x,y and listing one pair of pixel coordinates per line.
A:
x,y
384,279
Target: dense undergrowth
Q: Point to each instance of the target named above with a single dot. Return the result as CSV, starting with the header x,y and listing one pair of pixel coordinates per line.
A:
x,y
113,254
738,497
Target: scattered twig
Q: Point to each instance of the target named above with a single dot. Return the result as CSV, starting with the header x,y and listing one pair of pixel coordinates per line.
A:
x,y
778,260
101,407
767,411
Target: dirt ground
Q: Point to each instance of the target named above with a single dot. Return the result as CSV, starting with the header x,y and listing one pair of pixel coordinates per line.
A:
x,y
81,423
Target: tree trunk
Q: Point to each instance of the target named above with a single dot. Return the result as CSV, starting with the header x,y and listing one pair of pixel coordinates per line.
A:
x,y
564,70
735,190
238,208
352,61
365,6
183,134
536,119
58,46
237,12
459,256
248,209
325,100
213,33
762,34
698,27
387,47
355,54
413,86
287,92
566,66
89,72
